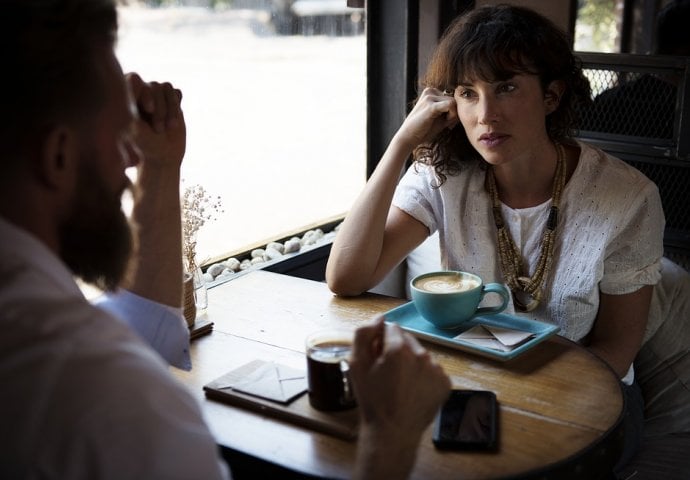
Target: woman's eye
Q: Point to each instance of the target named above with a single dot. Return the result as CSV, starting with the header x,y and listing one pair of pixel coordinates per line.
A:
x,y
465,93
506,88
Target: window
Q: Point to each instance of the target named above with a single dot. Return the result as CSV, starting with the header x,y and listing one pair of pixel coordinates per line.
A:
x,y
275,103
598,26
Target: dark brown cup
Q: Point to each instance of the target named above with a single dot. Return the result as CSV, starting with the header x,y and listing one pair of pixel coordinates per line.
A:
x,y
328,354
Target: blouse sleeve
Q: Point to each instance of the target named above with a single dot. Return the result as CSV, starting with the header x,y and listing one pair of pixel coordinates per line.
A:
x,y
412,195
633,257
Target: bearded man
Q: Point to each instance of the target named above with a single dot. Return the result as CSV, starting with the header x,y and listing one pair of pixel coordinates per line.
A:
x,y
74,376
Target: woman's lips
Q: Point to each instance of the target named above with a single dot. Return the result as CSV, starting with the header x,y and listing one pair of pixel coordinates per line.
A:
x,y
491,140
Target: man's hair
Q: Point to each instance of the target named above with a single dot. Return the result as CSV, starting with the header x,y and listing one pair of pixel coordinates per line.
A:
x,y
48,50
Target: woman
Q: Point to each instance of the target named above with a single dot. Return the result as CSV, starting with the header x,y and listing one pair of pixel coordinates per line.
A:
x,y
576,234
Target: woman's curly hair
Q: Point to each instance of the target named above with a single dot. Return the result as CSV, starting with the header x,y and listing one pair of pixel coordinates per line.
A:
x,y
495,43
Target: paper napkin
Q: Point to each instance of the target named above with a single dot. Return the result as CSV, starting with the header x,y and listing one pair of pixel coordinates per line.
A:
x,y
269,380
496,338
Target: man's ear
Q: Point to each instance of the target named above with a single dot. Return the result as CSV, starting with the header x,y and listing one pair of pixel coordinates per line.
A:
x,y
59,157
553,94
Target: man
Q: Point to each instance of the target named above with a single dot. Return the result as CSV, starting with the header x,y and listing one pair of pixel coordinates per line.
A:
x,y
82,395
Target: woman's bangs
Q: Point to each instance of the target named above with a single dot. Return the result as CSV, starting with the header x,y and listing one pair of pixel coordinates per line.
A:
x,y
491,64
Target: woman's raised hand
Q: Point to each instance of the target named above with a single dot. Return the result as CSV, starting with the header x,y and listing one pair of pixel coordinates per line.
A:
x,y
433,112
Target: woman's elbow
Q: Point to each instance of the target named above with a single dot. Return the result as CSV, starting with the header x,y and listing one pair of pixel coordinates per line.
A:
x,y
343,286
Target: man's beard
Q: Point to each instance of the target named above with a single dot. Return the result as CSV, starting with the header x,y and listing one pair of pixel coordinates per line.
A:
x,y
96,239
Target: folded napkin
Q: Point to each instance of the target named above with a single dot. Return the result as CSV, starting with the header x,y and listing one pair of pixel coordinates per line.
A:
x,y
496,338
269,380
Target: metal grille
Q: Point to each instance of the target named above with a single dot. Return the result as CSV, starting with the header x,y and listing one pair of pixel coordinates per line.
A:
x,y
634,104
637,115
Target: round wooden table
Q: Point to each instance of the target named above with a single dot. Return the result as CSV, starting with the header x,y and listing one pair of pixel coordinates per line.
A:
x,y
560,407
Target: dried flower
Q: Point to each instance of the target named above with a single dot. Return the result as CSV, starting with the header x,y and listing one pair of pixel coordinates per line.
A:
x,y
198,207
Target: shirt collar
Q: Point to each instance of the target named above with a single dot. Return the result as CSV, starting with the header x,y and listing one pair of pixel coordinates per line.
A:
x,y
21,248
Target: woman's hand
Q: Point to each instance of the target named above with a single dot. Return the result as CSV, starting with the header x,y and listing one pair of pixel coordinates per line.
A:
x,y
433,112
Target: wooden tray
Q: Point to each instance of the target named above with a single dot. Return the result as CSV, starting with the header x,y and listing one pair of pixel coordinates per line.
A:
x,y
343,424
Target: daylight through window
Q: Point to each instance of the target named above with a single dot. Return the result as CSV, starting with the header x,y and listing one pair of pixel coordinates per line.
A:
x,y
275,106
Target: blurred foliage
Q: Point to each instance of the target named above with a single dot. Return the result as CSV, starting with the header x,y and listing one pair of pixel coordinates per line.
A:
x,y
601,19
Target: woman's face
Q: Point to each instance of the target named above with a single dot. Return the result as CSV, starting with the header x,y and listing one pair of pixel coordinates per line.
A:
x,y
504,120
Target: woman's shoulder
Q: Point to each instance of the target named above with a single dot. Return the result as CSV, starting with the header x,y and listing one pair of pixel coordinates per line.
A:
x,y
598,168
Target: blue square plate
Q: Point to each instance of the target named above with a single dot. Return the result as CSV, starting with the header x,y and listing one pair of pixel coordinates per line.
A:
x,y
409,319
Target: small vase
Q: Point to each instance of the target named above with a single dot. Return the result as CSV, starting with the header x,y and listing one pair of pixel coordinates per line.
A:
x,y
188,299
200,292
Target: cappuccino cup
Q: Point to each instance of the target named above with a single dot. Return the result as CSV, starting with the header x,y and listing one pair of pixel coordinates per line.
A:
x,y
450,298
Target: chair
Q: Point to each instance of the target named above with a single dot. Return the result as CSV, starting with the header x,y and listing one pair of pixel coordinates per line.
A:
x,y
662,369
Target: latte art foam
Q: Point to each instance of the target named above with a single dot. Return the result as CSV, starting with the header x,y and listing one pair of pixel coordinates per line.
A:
x,y
446,284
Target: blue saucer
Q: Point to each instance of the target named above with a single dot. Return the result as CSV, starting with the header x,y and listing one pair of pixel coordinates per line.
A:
x,y
407,317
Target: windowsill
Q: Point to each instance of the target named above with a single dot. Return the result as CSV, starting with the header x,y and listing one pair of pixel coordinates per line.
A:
x,y
309,262
327,225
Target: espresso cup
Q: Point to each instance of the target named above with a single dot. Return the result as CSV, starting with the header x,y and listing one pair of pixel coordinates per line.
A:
x,y
328,356
448,298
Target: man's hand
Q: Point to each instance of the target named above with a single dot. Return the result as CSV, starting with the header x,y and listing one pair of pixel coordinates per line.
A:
x,y
160,131
399,389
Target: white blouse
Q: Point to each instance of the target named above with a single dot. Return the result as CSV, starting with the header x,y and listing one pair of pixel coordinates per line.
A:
x,y
609,237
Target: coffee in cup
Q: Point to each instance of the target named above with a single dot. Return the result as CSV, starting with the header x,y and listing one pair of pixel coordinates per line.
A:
x,y
450,298
328,354
447,283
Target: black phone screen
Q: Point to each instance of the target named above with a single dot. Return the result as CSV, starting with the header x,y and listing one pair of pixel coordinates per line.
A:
x,y
467,421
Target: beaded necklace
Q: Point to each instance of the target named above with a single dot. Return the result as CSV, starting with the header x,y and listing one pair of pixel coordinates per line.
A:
x,y
511,260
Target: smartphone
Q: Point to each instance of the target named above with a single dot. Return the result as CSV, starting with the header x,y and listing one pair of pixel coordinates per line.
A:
x,y
467,421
